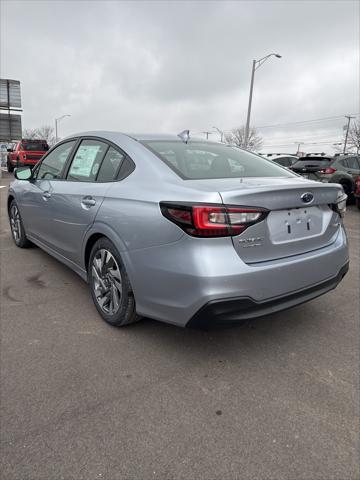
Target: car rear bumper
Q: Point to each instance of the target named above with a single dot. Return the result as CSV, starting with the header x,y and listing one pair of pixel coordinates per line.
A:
x,y
173,282
232,310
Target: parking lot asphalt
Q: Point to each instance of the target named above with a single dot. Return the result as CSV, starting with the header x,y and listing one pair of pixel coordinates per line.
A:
x,y
276,398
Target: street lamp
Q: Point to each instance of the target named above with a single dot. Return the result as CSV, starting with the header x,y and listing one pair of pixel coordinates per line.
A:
x,y
221,133
256,64
58,120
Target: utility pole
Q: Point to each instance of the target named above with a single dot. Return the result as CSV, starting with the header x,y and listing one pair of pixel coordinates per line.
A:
x,y
349,117
298,146
207,134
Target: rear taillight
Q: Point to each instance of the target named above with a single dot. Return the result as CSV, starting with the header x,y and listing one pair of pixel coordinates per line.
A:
x,y
212,220
328,171
340,205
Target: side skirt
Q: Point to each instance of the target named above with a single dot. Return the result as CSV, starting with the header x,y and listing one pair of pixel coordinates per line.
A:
x,y
69,263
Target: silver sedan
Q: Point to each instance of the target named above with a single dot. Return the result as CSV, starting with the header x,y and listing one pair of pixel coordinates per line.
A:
x,y
181,230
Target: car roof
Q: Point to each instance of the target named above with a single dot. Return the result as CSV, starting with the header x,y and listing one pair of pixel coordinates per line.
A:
x,y
154,136
136,136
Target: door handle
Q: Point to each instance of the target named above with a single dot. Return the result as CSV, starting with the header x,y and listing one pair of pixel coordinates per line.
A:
x,y
46,195
88,202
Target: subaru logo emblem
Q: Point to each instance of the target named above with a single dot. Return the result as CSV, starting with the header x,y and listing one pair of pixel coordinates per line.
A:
x,y
307,197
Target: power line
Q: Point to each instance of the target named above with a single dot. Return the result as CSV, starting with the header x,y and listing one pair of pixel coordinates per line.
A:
x,y
304,121
323,136
302,143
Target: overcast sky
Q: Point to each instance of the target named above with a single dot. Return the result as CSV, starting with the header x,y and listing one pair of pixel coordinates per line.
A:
x,y
165,66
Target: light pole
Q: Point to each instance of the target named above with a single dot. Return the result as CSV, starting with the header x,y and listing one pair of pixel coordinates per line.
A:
x,y
56,125
255,65
221,133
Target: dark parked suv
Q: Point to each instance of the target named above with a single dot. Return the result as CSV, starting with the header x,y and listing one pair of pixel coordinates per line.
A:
x,y
343,169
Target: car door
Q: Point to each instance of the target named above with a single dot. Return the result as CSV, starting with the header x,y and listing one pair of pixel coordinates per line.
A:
x,y
35,206
75,201
353,166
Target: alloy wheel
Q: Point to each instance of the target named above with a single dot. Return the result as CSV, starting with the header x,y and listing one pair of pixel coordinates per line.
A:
x,y
107,281
15,223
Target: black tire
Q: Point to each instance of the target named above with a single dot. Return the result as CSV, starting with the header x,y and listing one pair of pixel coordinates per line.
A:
x,y
10,167
358,202
110,286
348,189
17,227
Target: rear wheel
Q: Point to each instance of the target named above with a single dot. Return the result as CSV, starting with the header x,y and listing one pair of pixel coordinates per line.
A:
x,y
348,190
10,167
17,227
110,286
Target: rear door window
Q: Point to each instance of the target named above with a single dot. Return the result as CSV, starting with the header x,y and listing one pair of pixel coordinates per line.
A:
x,y
87,160
353,162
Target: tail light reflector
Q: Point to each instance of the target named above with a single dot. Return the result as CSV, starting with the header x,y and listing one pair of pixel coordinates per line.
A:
x,y
328,170
212,220
340,205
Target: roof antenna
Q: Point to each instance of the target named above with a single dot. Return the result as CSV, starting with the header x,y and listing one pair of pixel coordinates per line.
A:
x,y
184,135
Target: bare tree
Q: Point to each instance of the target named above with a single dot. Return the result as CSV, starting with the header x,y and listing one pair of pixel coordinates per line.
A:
x,y
237,137
46,132
353,142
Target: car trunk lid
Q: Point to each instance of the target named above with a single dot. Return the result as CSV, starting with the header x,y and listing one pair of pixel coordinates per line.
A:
x,y
293,225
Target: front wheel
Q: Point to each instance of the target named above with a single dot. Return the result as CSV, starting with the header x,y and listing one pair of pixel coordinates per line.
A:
x,y
110,286
17,227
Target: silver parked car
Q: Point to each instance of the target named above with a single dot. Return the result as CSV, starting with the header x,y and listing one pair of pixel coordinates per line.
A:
x,y
180,230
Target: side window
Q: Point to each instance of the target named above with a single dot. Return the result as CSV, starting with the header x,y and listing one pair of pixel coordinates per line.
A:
x,y
353,163
344,163
87,161
126,168
285,162
110,166
53,164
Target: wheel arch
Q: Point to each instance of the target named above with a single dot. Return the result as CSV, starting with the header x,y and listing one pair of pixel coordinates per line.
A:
x,y
89,245
9,200
345,180
94,234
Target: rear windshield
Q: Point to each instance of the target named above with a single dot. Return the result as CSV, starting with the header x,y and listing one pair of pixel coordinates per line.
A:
x,y
202,160
34,146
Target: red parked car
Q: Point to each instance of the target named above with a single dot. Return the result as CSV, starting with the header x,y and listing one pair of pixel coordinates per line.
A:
x,y
357,192
26,152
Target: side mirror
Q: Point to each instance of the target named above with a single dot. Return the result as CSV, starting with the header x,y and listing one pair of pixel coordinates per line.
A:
x,y
24,173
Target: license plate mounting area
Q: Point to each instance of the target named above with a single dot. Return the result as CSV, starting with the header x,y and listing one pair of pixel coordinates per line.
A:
x,y
294,224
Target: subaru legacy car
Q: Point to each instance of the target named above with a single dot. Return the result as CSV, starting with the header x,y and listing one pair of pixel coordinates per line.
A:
x,y
181,230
